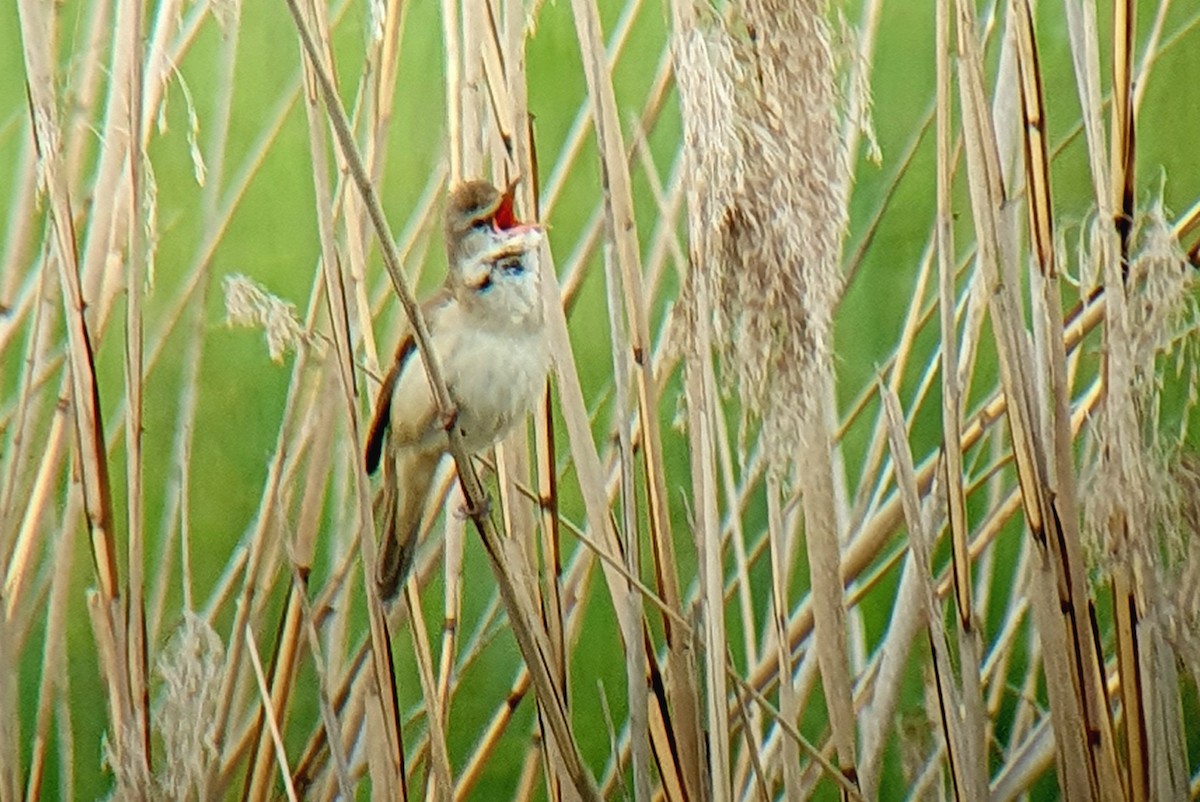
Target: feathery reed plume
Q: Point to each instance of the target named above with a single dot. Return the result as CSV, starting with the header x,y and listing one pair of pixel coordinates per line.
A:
x,y
190,669
766,202
1132,474
767,216
248,303
1136,523
1181,618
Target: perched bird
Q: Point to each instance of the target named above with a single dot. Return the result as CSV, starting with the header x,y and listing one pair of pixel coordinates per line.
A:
x,y
486,326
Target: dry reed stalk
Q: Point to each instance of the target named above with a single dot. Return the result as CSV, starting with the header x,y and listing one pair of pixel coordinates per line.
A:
x,y
1086,761
291,628
54,663
273,725
91,457
440,781
389,774
873,532
286,656
635,651
622,230
505,32
951,388
621,225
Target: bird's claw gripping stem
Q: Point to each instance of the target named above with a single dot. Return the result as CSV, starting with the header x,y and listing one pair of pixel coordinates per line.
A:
x,y
475,511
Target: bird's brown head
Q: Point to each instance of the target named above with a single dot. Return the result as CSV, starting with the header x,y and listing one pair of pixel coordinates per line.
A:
x,y
476,212
490,249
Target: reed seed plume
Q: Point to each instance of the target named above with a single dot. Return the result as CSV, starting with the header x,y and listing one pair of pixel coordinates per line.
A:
x,y
190,670
250,304
1133,507
766,199
1182,588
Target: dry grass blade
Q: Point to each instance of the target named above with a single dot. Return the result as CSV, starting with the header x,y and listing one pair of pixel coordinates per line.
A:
x,y
951,390
967,770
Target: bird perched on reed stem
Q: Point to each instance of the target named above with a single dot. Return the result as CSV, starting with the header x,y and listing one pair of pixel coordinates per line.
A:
x,y
486,326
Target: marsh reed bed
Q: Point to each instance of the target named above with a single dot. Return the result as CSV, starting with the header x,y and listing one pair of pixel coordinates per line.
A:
x,y
866,468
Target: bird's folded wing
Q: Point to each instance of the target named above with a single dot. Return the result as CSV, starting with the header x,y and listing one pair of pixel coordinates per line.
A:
x,y
417,421
383,404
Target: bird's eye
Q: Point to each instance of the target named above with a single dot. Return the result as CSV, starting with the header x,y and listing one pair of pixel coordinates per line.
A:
x,y
481,224
511,265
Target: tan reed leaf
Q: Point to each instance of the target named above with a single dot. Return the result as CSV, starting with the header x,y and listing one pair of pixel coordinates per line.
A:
x,y
951,384
967,767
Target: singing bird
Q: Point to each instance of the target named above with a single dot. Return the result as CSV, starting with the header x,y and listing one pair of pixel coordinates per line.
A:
x,y
486,326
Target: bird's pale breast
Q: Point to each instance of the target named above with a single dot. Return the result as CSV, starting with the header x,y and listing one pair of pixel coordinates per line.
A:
x,y
495,379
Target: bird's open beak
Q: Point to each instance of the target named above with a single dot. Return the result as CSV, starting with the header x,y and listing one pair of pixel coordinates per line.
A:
x,y
510,238
505,219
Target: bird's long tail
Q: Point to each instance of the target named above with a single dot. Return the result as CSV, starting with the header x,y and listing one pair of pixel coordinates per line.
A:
x,y
400,507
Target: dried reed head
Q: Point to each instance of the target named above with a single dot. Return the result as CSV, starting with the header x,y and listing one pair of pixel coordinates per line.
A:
x,y
1134,508
762,112
1181,613
190,668
248,303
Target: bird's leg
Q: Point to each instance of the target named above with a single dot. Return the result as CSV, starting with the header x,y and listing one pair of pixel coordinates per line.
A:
x,y
475,511
450,418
